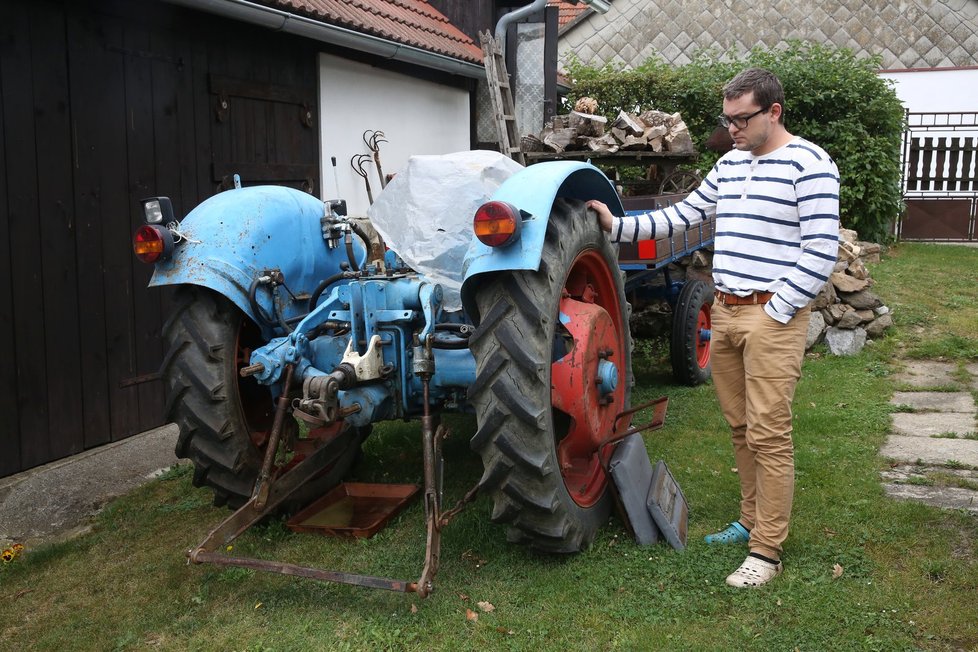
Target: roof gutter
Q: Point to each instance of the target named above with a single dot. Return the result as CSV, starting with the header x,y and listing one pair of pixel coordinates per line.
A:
x,y
282,21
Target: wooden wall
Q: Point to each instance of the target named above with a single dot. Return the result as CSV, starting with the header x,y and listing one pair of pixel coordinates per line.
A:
x,y
103,103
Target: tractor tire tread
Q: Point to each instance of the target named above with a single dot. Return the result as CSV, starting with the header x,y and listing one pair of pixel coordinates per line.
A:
x,y
511,393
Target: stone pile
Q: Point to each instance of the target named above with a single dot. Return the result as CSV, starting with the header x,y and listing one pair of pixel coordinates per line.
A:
x,y
582,129
846,313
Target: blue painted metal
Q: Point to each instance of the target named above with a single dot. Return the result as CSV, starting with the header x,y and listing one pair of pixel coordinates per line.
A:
x,y
607,377
235,235
376,403
533,191
394,309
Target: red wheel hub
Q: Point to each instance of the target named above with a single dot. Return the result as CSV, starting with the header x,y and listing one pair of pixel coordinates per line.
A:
x,y
588,381
704,326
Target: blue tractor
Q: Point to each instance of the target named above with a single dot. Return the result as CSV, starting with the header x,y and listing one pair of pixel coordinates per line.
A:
x,y
283,314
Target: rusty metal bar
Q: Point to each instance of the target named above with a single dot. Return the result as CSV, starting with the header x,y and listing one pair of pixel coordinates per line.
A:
x,y
658,419
260,494
367,581
430,432
250,513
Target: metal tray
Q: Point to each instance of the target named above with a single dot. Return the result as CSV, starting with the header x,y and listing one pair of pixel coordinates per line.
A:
x,y
354,509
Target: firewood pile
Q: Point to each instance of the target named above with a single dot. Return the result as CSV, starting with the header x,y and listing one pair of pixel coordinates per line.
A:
x,y
583,130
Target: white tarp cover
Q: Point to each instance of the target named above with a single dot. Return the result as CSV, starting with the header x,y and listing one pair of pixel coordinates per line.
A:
x,y
425,212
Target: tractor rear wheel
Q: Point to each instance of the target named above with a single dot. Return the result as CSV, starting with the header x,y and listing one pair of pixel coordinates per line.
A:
x,y
225,420
553,370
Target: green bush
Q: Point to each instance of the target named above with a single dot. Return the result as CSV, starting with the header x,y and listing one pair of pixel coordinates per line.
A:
x,y
832,98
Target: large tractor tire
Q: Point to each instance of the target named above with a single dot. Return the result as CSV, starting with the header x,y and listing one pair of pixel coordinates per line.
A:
x,y
691,331
553,370
225,420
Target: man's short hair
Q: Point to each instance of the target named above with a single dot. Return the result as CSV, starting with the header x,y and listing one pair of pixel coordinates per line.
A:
x,y
764,84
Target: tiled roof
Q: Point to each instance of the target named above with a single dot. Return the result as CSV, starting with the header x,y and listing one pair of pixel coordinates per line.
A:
x,y
411,22
568,11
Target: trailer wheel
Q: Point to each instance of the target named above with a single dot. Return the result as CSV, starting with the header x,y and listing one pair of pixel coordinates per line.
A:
x,y
553,370
691,324
224,420
683,181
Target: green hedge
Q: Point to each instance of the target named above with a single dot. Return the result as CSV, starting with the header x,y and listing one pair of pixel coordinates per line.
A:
x,y
832,98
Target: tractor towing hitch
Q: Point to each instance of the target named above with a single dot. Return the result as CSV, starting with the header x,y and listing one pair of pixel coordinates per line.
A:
x,y
271,492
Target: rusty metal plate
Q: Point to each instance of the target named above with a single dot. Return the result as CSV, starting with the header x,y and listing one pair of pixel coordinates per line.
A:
x,y
354,509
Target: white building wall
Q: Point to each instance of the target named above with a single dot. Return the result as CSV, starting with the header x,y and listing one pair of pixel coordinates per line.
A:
x,y
416,116
936,90
941,91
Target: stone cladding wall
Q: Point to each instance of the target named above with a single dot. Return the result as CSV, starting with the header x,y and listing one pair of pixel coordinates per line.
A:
x,y
907,33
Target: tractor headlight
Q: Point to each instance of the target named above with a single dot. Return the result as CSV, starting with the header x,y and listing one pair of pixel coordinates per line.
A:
x,y
157,210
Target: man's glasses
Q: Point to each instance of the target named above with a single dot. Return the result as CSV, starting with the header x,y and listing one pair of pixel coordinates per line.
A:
x,y
740,121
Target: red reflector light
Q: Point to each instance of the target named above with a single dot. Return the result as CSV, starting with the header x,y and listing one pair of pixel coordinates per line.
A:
x,y
646,249
152,243
497,223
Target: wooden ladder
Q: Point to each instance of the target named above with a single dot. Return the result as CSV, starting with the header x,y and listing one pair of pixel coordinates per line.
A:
x,y
502,98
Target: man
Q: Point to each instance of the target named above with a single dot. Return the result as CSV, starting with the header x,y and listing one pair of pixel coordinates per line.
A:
x,y
776,201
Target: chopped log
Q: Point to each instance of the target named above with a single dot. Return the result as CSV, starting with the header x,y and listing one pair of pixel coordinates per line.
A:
x,y
580,130
655,118
634,142
561,139
629,123
655,132
605,143
587,124
678,139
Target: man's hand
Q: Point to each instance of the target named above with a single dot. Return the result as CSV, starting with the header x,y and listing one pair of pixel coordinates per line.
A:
x,y
604,214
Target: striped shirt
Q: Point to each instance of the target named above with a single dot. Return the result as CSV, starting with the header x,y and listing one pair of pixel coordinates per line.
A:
x,y
777,223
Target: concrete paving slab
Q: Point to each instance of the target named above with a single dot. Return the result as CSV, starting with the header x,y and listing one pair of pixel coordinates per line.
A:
x,y
910,472
973,370
58,499
931,451
936,401
927,373
946,497
927,424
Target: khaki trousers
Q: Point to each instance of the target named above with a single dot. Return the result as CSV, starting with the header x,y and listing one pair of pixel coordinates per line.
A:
x,y
756,363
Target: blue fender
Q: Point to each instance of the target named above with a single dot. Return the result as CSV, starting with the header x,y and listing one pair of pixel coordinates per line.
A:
x,y
534,190
233,236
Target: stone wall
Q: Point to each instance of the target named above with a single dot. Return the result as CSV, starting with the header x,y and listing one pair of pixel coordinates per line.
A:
x,y
907,34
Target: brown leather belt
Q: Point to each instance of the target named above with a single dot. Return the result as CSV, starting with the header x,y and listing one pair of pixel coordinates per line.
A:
x,y
751,299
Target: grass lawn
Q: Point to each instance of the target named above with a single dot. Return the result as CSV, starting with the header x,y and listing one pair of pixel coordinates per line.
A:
x,y
909,572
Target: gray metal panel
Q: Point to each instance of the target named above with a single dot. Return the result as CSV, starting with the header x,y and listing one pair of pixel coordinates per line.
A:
x,y
667,505
631,471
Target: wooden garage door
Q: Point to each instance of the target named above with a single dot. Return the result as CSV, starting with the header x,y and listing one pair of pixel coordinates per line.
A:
x,y
104,103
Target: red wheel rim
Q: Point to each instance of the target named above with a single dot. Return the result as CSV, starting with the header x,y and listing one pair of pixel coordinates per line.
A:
x,y
589,345
704,326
